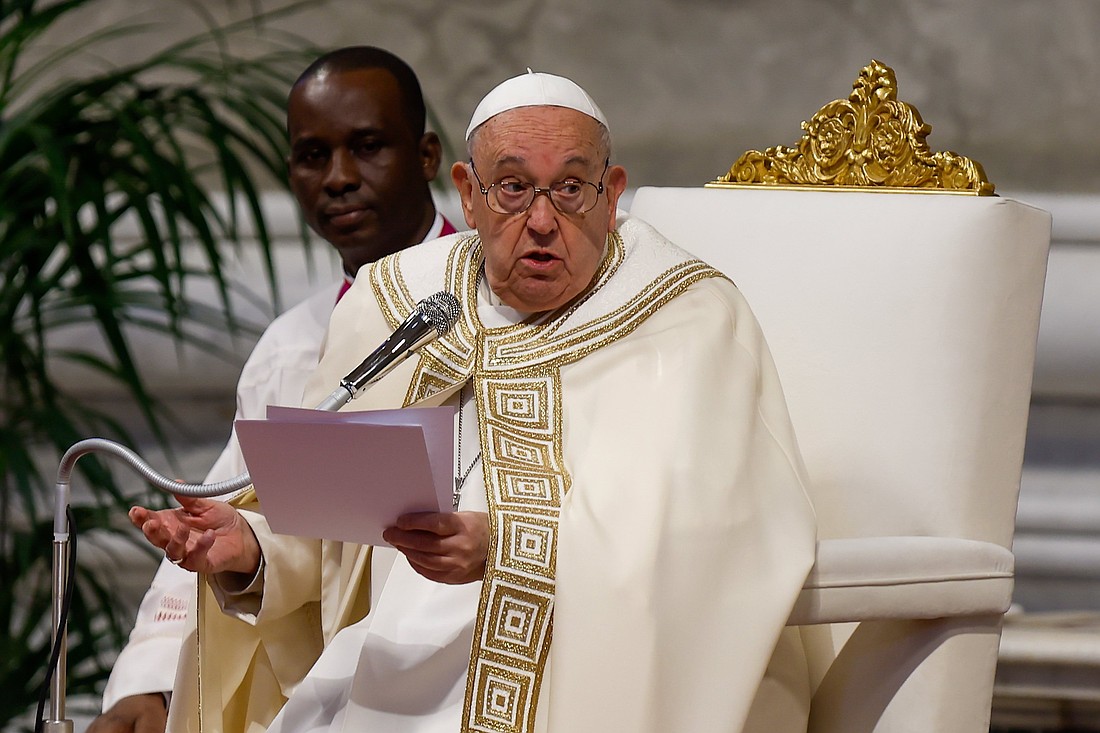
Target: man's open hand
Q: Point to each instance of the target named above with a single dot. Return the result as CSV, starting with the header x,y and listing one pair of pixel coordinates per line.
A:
x,y
202,535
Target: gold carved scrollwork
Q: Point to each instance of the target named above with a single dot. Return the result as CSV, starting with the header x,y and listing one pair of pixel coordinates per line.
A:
x,y
871,140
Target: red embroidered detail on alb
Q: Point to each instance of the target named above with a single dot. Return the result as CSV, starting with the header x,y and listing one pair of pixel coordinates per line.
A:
x,y
172,608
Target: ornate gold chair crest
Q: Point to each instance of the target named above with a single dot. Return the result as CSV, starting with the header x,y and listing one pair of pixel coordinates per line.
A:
x,y
871,140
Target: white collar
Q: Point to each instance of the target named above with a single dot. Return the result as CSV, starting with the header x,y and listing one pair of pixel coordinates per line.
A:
x,y
494,312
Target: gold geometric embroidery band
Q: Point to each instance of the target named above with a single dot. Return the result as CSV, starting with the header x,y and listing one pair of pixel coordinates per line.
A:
x,y
525,478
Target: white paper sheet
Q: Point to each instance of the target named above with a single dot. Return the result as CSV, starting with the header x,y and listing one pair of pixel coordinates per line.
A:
x,y
347,476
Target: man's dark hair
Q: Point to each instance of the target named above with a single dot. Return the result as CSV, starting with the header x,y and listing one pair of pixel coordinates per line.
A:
x,y
355,58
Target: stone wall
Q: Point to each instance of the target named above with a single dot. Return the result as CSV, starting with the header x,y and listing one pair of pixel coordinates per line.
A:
x,y
690,84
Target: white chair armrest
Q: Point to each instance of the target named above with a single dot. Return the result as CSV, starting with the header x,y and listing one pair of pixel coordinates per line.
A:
x,y
876,578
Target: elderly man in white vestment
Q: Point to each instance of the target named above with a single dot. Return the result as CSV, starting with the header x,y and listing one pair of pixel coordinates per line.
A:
x,y
631,528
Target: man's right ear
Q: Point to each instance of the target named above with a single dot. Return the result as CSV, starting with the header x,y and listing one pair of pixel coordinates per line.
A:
x,y
431,154
464,183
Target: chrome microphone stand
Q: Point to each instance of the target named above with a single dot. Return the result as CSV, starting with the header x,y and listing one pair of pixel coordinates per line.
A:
x,y
56,722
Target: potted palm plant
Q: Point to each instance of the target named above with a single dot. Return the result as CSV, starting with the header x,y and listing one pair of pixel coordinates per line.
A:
x,y
139,146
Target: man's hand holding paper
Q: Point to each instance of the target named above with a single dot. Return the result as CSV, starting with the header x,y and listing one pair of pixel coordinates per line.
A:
x,y
373,477
444,547
347,476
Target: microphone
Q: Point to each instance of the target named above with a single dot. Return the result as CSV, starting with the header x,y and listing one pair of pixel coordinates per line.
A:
x,y
433,317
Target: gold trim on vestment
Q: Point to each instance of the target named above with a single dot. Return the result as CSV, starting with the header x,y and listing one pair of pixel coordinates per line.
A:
x,y
515,373
201,588
202,591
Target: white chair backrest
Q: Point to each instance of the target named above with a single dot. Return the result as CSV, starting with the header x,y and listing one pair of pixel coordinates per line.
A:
x,y
903,327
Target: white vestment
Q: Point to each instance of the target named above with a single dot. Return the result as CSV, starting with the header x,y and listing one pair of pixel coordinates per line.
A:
x,y
649,525
275,373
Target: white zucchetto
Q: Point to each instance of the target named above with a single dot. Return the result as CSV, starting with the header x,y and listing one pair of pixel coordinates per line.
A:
x,y
534,89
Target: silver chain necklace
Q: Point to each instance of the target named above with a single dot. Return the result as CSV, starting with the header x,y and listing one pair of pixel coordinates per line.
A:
x,y
460,475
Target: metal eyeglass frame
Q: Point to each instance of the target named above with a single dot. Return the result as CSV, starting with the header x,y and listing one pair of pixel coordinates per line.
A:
x,y
548,190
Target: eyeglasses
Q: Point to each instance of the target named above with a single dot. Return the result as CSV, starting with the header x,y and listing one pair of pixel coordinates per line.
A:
x,y
510,195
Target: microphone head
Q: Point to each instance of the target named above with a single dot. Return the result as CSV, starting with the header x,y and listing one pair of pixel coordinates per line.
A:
x,y
441,310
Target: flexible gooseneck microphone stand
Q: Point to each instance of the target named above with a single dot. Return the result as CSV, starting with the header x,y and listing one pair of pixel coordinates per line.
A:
x,y
433,317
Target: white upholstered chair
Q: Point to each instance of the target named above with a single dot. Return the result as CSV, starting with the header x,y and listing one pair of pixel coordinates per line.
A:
x,y
903,326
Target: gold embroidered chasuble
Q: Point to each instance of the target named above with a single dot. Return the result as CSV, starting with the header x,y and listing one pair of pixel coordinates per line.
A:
x,y
598,535
515,374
